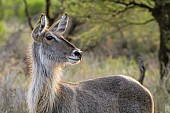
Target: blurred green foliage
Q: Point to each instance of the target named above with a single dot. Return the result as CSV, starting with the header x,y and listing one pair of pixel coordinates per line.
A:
x,y
1,27
11,9
105,19
34,7
2,32
102,20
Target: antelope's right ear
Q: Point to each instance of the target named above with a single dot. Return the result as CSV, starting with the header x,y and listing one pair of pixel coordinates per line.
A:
x,y
41,25
61,25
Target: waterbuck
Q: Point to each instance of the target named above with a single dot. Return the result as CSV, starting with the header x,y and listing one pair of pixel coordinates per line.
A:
x,y
49,53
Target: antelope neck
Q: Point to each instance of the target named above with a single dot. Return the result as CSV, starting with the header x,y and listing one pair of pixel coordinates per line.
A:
x,y
44,81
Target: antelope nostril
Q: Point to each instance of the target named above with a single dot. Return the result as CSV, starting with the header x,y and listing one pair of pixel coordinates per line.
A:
x,y
78,53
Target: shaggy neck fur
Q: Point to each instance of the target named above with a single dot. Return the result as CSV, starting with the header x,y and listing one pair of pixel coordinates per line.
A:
x,y
43,88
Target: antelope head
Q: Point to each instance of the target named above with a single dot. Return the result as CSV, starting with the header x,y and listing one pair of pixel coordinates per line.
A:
x,y
50,43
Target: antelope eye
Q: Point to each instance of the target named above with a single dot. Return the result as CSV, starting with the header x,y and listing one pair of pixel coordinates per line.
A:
x,y
49,37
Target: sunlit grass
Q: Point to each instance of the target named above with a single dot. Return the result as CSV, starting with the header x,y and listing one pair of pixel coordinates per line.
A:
x,y
14,82
92,67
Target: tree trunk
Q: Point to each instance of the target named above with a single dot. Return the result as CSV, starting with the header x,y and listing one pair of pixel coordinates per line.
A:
x,y
161,12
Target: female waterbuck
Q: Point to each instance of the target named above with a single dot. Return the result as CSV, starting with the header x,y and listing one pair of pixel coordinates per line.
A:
x,y
50,52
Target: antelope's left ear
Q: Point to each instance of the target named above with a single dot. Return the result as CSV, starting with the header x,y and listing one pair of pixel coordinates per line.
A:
x,y
41,25
61,25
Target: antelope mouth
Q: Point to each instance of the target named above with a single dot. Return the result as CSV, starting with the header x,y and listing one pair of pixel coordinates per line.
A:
x,y
73,59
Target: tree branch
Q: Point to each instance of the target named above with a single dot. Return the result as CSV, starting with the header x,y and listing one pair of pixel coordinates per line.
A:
x,y
27,14
140,23
142,6
141,69
124,10
47,10
135,4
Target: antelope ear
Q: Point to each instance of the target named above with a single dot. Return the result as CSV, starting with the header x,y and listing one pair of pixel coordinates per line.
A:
x,y
61,25
41,25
